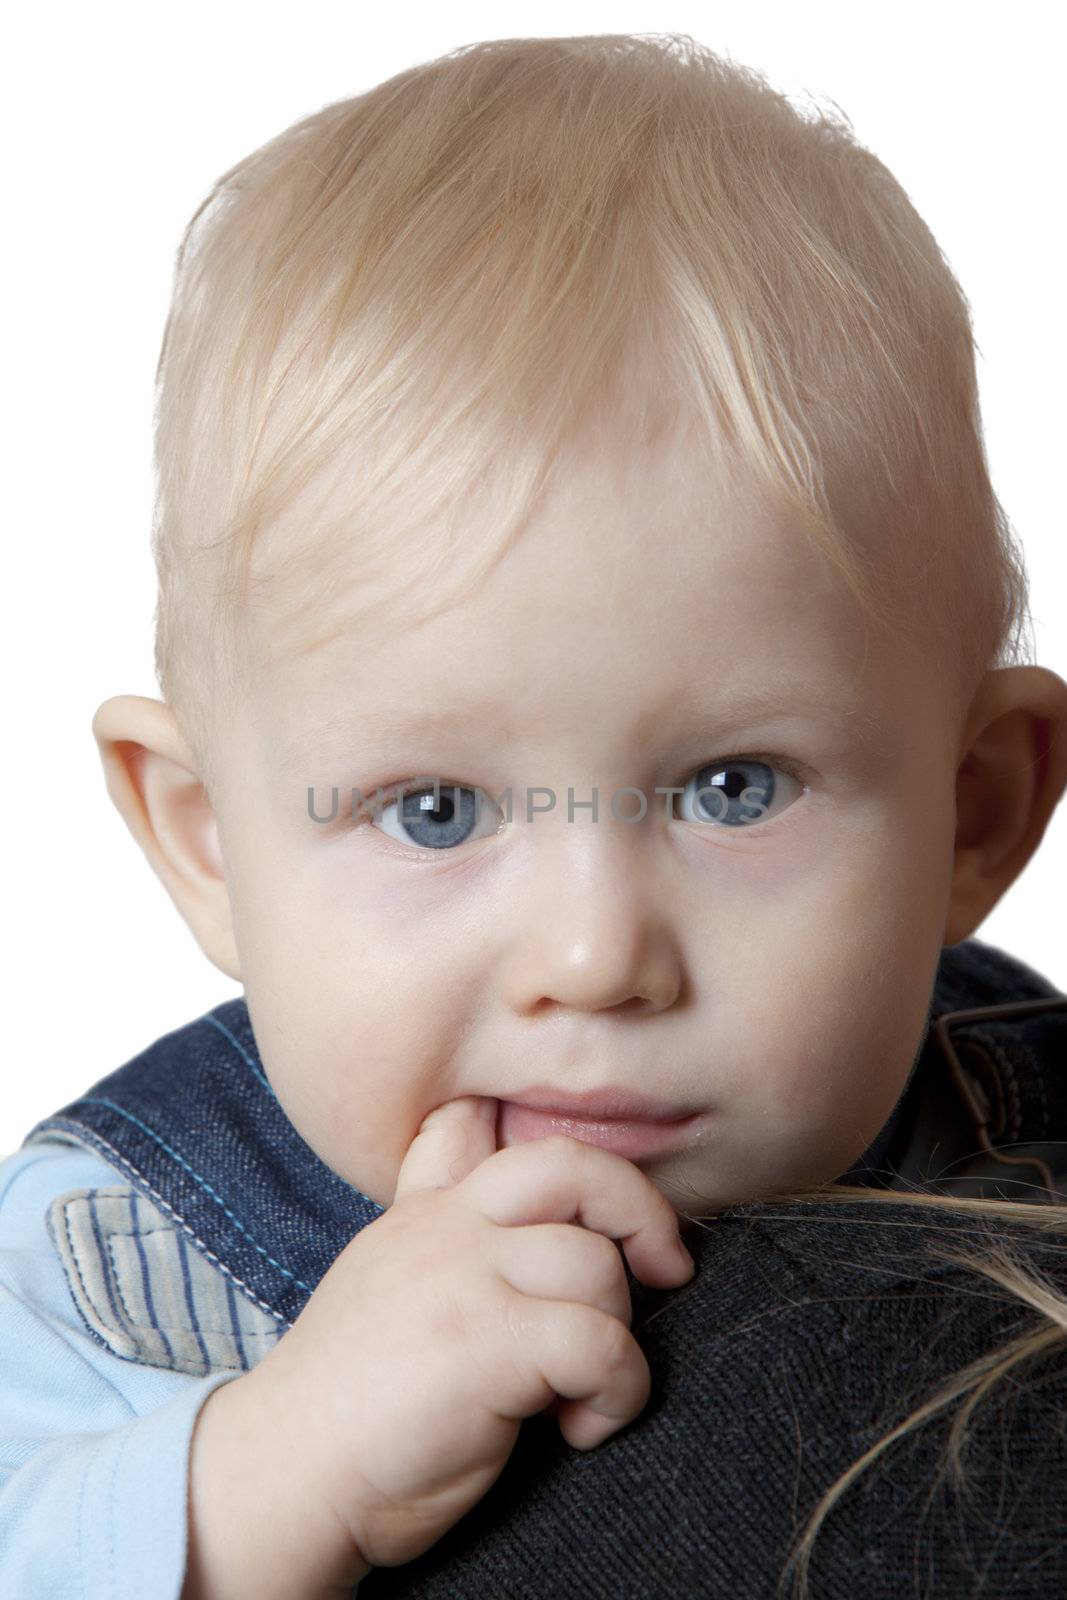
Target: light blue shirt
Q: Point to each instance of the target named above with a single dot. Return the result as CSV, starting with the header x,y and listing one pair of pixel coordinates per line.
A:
x,y
94,1448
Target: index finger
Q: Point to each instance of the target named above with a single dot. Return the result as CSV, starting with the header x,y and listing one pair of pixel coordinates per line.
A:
x,y
563,1179
453,1139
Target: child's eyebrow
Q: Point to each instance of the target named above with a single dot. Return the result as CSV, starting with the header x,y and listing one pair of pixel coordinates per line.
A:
x,y
347,732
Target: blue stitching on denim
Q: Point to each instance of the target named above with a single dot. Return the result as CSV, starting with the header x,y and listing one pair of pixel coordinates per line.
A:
x,y
99,1100
239,1047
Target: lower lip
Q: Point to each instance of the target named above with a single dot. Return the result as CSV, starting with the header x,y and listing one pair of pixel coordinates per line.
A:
x,y
518,1124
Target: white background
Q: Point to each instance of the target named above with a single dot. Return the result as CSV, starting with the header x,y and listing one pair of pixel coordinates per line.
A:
x,y
119,119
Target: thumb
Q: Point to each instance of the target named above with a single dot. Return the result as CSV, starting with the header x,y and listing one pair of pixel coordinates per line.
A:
x,y
453,1139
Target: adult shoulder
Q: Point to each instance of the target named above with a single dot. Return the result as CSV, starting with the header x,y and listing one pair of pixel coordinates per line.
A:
x,y
810,1331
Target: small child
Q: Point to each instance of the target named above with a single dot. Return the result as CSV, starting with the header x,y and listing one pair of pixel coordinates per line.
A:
x,y
593,712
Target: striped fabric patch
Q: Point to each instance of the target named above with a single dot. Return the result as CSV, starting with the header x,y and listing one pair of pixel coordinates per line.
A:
x,y
145,1290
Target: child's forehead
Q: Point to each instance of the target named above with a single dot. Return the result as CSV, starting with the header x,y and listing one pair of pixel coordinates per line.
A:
x,y
640,601
665,577
672,537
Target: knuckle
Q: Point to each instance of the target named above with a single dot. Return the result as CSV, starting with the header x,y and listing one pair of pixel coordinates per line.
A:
x,y
494,1334
617,1346
511,1350
605,1263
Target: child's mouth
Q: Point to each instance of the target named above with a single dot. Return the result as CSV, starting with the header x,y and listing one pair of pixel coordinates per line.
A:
x,y
632,1137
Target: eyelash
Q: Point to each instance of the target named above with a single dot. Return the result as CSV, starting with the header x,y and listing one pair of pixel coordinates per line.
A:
x,y
388,794
782,763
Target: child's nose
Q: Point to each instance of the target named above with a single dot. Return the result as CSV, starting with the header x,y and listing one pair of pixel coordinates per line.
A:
x,y
593,926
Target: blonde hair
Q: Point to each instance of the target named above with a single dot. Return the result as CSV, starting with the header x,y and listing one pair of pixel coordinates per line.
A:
x,y
1002,1263
427,294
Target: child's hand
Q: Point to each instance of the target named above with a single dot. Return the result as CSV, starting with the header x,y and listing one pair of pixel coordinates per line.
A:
x,y
471,1303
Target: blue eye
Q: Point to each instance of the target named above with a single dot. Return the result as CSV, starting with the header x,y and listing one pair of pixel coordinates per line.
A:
x,y
436,816
736,793
440,815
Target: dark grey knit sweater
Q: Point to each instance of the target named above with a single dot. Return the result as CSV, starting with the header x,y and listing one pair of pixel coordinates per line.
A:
x,y
806,1335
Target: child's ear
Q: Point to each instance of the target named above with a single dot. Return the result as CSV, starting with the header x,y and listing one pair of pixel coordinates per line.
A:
x,y
152,778
1010,780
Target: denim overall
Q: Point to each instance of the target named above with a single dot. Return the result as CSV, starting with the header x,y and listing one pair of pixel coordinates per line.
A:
x,y
227,1219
